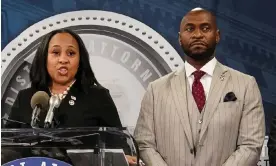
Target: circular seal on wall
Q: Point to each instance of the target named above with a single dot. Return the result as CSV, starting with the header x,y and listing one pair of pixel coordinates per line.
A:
x,y
41,161
125,54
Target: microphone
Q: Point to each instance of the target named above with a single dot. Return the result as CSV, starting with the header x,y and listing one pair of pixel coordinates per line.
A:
x,y
54,103
39,101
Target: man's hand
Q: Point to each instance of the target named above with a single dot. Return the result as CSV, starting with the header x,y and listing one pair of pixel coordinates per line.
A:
x,y
131,159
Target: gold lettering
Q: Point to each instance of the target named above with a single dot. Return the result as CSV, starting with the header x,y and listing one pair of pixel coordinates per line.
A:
x,y
103,47
125,57
9,101
114,50
136,65
27,69
20,80
14,90
91,47
145,75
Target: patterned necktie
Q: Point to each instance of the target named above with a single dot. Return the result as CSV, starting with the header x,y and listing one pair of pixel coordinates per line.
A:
x,y
198,91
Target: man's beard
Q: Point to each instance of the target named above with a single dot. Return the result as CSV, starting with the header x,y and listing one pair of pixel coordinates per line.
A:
x,y
204,55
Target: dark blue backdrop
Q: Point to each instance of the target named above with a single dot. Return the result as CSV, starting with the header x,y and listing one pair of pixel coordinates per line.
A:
x,y
248,29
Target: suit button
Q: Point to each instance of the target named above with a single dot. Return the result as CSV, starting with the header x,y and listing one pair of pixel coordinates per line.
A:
x,y
200,121
192,151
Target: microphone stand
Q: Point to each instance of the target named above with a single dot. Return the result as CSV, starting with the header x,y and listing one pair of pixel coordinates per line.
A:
x,y
133,140
136,149
35,119
102,148
54,121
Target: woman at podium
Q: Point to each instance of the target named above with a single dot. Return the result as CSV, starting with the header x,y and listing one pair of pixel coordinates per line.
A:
x,y
61,70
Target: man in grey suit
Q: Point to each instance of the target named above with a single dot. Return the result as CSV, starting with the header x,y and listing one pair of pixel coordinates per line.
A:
x,y
204,114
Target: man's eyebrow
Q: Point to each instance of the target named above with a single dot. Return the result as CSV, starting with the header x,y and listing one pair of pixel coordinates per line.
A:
x,y
188,24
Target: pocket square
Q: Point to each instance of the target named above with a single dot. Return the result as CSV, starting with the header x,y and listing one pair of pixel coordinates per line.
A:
x,y
230,96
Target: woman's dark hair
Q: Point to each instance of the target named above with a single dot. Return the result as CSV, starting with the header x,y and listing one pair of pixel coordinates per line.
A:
x,y
39,75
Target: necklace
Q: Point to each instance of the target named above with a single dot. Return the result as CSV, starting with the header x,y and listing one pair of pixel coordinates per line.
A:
x,y
64,93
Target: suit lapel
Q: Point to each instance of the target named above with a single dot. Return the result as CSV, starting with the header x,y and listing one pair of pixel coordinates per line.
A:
x,y
219,80
178,86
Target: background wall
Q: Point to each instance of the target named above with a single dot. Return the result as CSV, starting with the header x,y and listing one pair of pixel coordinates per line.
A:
x,y
248,29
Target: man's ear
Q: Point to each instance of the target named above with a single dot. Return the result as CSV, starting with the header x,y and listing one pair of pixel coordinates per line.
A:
x,y
179,39
217,36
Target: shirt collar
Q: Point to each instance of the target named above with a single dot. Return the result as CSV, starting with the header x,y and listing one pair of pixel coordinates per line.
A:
x,y
208,68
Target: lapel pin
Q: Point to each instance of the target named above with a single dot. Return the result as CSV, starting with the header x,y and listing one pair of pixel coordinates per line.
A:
x,y
222,77
73,98
71,102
